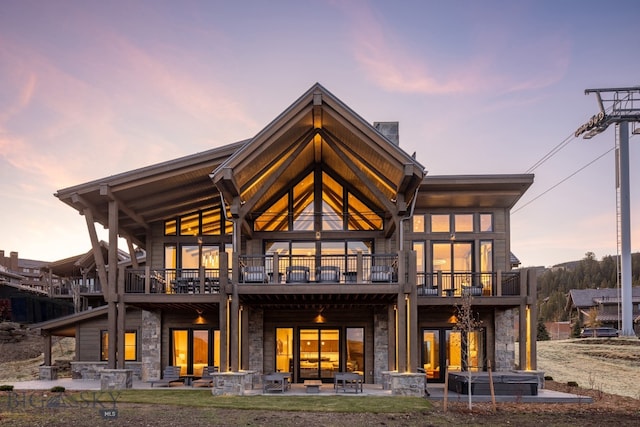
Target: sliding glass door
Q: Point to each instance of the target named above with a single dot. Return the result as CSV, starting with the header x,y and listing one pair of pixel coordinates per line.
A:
x,y
319,351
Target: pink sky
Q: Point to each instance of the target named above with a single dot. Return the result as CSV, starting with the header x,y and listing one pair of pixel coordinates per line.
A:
x,y
91,89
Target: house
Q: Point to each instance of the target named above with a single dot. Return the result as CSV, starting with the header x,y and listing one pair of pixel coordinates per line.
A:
x,y
605,303
23,292
75,278
318,246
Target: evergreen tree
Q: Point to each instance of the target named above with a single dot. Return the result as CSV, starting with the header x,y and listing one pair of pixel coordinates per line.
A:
x,y
576,329
543,334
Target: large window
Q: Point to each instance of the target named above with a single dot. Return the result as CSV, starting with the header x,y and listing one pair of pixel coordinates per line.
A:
x,y
457,223
194,256
210,222
311,207
130,345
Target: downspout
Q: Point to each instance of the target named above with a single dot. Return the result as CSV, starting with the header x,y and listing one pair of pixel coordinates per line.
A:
x,y
409,215
226,216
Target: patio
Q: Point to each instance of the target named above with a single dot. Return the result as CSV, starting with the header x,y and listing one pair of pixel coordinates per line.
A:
x,y
436,391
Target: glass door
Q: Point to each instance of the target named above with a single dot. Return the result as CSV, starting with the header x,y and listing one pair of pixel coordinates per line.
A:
x,y
319,351
431,358
193,349
444,348
284,350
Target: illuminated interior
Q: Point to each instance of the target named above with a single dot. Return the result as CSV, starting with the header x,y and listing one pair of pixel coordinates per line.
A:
x,y
295,210
319,351
192,351
130,346
284,349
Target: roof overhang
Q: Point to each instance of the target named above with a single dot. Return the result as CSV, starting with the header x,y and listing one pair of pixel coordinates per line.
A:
x,y
152,193
472,191
66,326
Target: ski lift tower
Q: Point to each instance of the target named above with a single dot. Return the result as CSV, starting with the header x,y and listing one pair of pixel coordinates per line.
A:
x,y
622,107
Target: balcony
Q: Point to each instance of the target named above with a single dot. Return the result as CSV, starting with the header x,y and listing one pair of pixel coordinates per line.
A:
x,y
497,283
345,269
364,273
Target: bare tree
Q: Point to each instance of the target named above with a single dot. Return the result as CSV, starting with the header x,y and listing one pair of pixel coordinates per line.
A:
x,y
466,322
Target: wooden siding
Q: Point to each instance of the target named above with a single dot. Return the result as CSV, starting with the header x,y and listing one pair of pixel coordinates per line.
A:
x,y
88,337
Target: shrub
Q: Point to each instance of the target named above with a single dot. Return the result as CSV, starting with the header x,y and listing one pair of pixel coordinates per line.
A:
x,y
572,384
57,389
6,387
548,378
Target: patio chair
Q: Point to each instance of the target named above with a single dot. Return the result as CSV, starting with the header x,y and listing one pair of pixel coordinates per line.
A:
x,y
381,273
297,274
207,377
254,274
472,290
274,382
170,375
328,273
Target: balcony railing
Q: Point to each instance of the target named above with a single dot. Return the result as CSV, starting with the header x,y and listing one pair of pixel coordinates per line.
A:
x,y
352,268
172,281
497,283
358,269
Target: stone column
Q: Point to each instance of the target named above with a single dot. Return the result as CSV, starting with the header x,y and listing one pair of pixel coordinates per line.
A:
x,y
256,337
150,345
504,339
380,345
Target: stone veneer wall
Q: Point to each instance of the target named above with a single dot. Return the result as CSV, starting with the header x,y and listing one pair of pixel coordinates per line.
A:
x,y
505,339
150,345
256,334
93,370
380,344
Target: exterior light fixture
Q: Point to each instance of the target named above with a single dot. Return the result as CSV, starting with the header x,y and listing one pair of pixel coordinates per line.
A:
x,y
320,318
200,320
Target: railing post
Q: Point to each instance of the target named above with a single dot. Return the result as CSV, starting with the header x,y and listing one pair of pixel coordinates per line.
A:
x,y
523,283
147,279
439,281
201,276
235,273
359,267
275,276
499,283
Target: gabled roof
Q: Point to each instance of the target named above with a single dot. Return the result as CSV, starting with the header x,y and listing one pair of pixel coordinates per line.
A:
x,y
157,192
585,298
317,129
71,266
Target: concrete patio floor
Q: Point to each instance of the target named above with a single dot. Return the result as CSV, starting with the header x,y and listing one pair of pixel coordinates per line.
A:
x,y
436,391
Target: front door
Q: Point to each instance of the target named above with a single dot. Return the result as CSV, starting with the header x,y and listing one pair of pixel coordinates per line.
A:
x,y
319,353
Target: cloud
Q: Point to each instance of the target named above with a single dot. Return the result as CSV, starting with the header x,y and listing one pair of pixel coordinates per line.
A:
x,y
496,60
78,115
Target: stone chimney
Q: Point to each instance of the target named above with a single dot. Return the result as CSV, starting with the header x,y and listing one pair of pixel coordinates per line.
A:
x,y
3,261
13,266
389,130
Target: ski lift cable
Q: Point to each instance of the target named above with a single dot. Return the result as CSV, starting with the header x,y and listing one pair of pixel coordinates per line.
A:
x,y
563,180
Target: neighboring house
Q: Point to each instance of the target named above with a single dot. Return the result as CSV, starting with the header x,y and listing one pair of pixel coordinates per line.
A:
x,y
76,279
315,247
30,270
605,303
24,293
